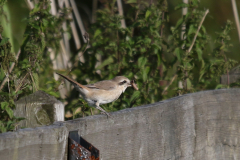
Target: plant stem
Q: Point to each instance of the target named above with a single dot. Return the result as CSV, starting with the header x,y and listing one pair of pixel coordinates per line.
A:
x,y
20,84
199,26
166,88
10,70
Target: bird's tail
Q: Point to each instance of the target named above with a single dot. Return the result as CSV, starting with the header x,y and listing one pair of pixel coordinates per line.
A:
x,y
76,84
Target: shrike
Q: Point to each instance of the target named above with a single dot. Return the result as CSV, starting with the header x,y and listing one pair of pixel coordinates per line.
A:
x,y
102,92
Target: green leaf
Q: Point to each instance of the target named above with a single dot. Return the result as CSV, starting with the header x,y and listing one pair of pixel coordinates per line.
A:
x,y
142,61
202,72
97,33
3,41
159,58
45,22
219,86
181,5
177,53
36,26
191,30
131,1
179,22
203,29
147,40
145,73
4,105
9,125
106,62
148,13
9,111
135,95
189,84
199,52
36,80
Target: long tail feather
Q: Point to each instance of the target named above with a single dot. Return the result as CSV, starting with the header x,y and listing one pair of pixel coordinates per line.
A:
x,y
73,82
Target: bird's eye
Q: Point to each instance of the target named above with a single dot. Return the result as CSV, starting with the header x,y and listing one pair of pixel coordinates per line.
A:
x,y
121,83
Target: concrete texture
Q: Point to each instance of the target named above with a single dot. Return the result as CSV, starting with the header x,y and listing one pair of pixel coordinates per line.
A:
x,y
39,109
203,125
42,143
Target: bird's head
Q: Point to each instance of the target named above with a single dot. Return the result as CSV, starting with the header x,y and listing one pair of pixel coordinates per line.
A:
x,y
124,82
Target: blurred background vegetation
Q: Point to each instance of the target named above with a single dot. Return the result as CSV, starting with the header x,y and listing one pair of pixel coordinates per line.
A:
x,y
148,41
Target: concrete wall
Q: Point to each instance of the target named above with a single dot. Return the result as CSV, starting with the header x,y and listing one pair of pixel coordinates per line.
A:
x,y
203,125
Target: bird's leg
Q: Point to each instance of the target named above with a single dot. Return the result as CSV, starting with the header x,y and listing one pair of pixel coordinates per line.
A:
x,y
101,109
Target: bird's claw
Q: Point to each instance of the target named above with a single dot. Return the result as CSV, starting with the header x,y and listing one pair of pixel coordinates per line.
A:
x,y
108,115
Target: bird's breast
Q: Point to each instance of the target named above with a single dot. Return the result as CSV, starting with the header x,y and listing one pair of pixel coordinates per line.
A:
x,y
104,96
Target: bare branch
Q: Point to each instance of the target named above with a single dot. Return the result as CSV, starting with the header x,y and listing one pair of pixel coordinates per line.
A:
x,y
195,37
34,84
10,70
166,88
20,84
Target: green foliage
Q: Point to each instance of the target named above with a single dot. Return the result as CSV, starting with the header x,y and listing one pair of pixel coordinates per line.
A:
x,y
146,51
43,31
200,68
134,52
142,48
219,63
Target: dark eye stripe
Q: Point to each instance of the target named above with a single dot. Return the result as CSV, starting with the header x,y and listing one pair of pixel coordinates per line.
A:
x,y
121,83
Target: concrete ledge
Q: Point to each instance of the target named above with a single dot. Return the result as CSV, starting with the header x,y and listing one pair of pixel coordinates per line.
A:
x,y
46,143
203,125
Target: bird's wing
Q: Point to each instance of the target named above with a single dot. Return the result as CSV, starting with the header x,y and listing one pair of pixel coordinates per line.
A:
x,y
105,85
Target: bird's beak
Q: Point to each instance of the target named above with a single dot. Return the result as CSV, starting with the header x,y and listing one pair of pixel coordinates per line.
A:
x,y
133,84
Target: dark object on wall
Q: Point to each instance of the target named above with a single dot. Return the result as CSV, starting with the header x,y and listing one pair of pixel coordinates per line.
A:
x,y
80,149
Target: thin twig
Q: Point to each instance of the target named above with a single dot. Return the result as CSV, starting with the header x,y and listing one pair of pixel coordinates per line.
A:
x,y
166,88
235,12
34,84
20,84
195,37
10,70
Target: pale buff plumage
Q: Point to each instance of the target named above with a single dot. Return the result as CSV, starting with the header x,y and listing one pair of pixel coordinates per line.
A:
x,y
102,92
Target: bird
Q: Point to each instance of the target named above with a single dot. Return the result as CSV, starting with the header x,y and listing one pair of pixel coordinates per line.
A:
x,y
102,92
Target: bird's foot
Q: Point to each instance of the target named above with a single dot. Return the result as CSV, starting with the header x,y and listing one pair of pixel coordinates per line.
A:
x,y
108,115
103,111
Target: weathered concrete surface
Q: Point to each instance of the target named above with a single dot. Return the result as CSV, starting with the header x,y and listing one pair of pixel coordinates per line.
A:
x,y
199,126
39,109
203,125
42,143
